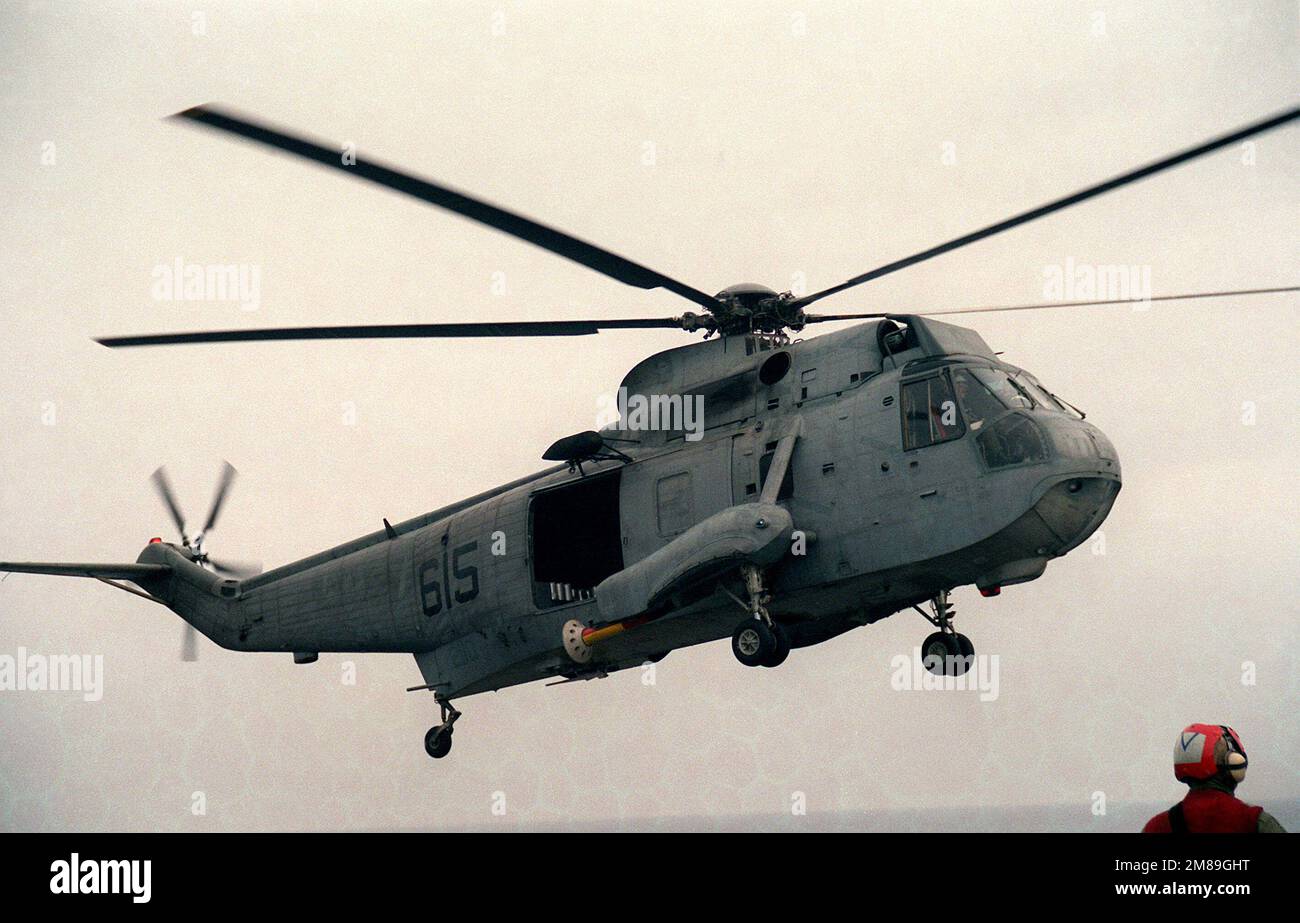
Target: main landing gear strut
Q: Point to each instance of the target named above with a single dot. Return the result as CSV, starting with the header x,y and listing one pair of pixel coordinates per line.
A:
x,y
945,653
437,742
758,641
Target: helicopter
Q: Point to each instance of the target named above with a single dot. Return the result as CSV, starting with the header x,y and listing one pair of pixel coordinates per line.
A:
x,y
777,490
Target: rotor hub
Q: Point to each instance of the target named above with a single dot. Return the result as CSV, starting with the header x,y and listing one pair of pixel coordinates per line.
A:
x,y
752,308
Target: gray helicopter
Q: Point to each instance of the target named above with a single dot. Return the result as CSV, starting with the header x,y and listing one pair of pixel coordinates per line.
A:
x,y
775,490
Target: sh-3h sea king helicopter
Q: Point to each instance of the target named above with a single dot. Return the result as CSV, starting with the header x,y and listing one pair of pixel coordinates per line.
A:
x,y
835,481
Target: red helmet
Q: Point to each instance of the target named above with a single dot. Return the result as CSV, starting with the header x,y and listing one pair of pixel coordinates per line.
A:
x,y
1202,751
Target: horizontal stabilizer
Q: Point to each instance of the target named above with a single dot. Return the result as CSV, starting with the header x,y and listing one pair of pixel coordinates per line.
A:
x,y
103,571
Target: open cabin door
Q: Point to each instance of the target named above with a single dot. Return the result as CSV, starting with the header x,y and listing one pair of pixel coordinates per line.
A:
x,y
574,538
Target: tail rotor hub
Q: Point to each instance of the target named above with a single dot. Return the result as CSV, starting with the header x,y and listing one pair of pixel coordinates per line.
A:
x,y
195,545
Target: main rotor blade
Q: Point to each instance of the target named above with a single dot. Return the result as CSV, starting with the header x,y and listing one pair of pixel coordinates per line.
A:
x,y
228,473
164,488
823,318
560,328
548,238
1082,195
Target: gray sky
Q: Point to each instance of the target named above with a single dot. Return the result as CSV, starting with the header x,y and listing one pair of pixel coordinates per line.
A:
x,y
748,142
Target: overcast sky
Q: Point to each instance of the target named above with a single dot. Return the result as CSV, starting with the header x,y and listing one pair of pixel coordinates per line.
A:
x,y
765,142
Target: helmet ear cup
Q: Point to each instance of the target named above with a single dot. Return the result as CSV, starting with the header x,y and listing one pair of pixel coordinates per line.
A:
x,y
1237,766
1235,761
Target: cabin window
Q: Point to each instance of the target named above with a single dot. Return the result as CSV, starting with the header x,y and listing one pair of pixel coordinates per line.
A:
x,y
930,412
575,537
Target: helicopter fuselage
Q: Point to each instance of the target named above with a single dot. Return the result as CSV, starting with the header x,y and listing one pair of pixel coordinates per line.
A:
x,y
922,464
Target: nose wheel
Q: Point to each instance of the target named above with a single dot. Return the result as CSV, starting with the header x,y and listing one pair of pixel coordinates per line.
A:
x,y
437,740
946,652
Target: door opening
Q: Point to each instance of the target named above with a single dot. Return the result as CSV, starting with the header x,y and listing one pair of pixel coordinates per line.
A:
x,y
576,539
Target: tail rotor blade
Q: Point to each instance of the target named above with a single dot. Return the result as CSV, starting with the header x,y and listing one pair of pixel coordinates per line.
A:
x,y
164,488
189,644
228,473
238,569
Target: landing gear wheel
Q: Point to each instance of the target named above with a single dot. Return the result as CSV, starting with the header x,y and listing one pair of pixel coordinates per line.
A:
x,y
782,649
437,742
947,654
753,642
935,651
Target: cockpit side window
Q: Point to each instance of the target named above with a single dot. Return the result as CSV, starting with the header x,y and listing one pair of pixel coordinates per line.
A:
x,y
930,412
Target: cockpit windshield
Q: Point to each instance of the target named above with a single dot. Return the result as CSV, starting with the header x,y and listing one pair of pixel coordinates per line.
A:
x,y
1042,396
1037,392
983,390
980,399
985,397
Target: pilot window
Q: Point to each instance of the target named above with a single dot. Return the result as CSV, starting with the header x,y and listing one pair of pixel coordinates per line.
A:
x,y
930,412
978,402
1011,440
1019,390
1003,388
1040,395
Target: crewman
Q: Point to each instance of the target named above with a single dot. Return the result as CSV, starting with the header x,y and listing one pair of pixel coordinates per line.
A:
x,y
1212,761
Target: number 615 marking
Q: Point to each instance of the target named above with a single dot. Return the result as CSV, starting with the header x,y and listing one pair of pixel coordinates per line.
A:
x,y
434,574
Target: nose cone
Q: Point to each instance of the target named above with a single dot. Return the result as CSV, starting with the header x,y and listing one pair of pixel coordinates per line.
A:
x,y
1072,479
1079,496
1075,508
